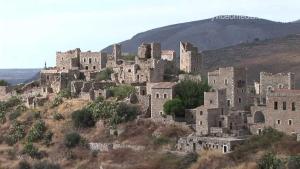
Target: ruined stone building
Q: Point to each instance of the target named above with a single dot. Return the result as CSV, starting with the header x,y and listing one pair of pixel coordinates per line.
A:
x,y
114,59
270,82
160,94
190,58
147,67
234,80
77,60
169,55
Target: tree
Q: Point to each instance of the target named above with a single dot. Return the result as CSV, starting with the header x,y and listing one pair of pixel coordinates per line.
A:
x,y
83,118
104,74
191,92
270,161
174,107
122,91
4,83
72,139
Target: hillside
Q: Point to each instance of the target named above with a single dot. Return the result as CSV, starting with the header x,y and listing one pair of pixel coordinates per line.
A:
x,y
274,55
211,33
16,76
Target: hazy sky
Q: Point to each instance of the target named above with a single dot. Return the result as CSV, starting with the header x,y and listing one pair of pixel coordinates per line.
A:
x,y
31,31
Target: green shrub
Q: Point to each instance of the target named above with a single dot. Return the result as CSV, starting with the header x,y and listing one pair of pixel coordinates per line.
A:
x,y
58,100
268,138
294,162
129,57
104,74
31,150
191,93
124,113
174,107
15,133
187,160
270,161
13,101
72,139
161,140
45,165
83,118
58,116
4,83
47,138
2,117
24,165
102,109
14,115
37,131
66,93
122,91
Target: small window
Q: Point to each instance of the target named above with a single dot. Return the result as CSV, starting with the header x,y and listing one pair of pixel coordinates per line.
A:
x,y
275,105
86,68
293,106
226,82
161,113
228,103
259,131
95,59
214,81
84,60
278,121
290,122
280,86
90,60
165,96
201,113
64,68
210,101
94,67
157,95
240,100
143,92
283,105
129,70
200,122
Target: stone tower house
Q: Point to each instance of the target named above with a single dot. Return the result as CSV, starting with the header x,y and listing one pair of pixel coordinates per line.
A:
x,y
190,59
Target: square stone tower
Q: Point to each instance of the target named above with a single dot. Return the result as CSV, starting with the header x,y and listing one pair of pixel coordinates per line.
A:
x,y
190,59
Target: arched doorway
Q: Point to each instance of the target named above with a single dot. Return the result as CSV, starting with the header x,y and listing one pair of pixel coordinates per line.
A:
x,y
259,117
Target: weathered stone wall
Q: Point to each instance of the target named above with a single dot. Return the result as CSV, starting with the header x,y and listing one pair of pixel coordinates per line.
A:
x,y
68,60
105,147
205,119
92,61
282,112
234,80
190,59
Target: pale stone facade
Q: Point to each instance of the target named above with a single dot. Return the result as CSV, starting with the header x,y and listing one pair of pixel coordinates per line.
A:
x,y
234,80
190,59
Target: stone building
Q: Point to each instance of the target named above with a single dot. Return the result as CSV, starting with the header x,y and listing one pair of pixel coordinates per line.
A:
x,y
77,60
115,58
194,143
190,59
147,67
169,55
281,111
271,82
234,80
160,94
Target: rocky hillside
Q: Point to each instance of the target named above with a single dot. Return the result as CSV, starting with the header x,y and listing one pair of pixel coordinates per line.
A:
x,y
211,33
274,55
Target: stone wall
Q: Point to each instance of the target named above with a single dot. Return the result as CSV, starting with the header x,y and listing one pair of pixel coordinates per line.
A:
x,y
105,147
92,61
68,60
190,59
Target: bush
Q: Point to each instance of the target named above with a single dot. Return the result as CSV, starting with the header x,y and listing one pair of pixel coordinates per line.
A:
x,y
37,131
104,74
24,165
15,133
72,139
58,116
191,92
45,165
58,100
128,57
270,161
188,160
13,101
4,83
66,93
14,115
294,162
268,138
48,138
83,118
31,150
122,91
174,107
2,117
124,113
